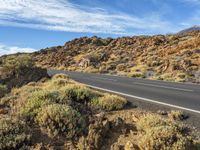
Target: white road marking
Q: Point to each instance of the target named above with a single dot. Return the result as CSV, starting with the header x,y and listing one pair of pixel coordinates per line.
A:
x,y
166,87
145,99
101,78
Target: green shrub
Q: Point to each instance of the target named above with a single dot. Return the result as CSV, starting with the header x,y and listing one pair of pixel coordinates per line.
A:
x,y
162,134
12,134
121,67
40,98
35,101
60,82
3,90
15,63
81,95
110,102
59,119
136,74
177,115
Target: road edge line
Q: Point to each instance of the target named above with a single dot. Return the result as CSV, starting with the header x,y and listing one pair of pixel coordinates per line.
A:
x,y
144,99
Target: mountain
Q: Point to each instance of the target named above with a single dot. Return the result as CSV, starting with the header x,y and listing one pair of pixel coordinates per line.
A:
x,y
191,29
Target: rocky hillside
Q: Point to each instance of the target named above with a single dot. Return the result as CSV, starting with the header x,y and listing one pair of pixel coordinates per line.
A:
x,y
170,57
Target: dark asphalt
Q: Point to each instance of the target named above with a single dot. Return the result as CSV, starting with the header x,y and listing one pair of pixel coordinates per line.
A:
x,y
178,94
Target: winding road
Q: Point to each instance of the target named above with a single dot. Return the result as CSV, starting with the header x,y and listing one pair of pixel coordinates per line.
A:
x,y
176,95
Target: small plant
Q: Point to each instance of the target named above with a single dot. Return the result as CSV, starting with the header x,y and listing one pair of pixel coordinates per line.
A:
x,y
35,101
60,82
177,115
12,134
3,90
110,102
59,119
136,75
81,95
162,134
15,63
121,67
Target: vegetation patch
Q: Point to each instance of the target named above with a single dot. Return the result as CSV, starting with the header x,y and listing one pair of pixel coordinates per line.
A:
x,y
159,134
3,90
110,102
59,119
81,95
13,134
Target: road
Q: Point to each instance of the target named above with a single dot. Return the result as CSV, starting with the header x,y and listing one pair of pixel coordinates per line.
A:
x,y
176,95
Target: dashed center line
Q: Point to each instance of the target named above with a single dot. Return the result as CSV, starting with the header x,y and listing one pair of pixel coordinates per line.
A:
x,y
166,87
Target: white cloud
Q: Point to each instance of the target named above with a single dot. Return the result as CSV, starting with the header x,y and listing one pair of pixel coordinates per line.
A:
x,y
4,49
61,15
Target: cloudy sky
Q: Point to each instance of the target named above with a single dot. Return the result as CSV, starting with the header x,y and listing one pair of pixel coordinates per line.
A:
x,y
29,25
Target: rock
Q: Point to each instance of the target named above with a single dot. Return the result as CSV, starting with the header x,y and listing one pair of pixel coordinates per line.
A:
x,y
129,146
162,112
135,119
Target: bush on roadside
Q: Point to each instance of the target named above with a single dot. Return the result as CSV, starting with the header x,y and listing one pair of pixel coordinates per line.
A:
x,y
177,115
110,102
136,74
32,105
12,134
162,134
59,119
80,95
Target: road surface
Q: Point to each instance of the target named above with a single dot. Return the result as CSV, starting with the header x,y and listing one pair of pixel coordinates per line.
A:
x,y
176,95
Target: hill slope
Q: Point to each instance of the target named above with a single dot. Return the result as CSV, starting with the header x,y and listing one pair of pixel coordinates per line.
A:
x,y
191,29
171,57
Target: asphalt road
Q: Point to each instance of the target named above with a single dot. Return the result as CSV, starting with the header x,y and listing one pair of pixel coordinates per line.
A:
x,y
177,95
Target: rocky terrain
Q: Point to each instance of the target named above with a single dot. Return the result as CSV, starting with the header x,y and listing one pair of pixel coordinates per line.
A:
x,y
38,112
170,57
59,113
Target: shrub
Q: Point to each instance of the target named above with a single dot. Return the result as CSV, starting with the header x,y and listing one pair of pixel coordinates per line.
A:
x,y
59,119
60,82
177,115
162,134
15,63
121,67
12,134
81,95
3,90
35,101
136,75
110,102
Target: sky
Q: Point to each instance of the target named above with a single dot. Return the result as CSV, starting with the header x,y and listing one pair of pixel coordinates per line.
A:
x,y
30,25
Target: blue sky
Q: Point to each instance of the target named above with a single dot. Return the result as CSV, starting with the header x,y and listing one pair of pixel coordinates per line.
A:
x,y
29,25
